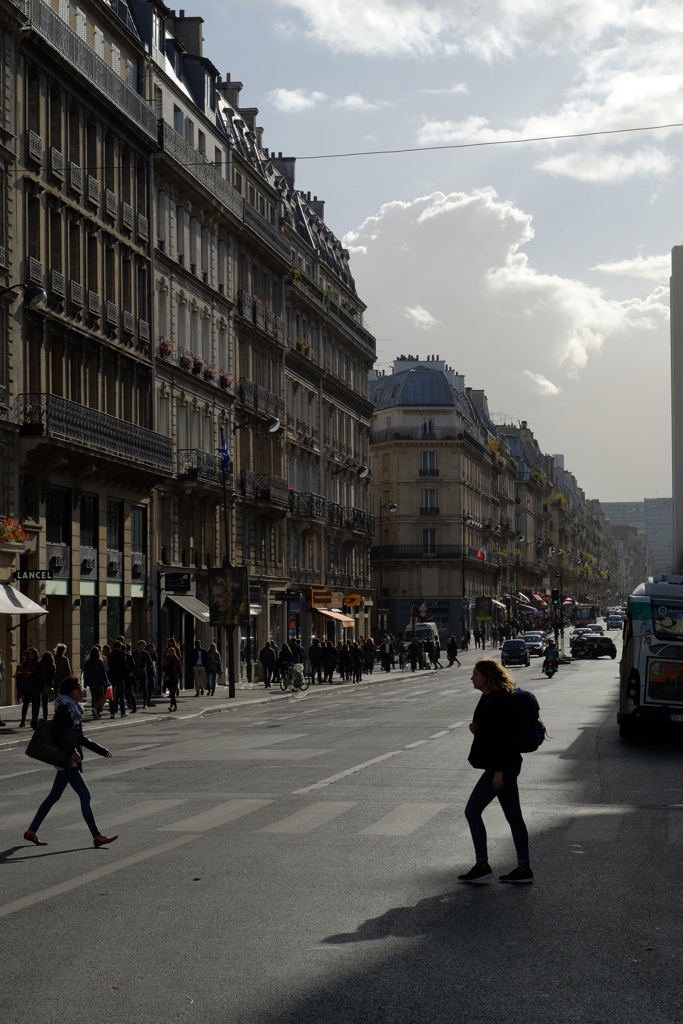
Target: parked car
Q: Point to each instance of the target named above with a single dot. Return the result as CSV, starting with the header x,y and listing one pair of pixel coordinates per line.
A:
x,y
535,643
593,645
514,652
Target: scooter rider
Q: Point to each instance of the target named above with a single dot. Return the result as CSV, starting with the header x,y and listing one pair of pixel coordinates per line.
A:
x,y
551,657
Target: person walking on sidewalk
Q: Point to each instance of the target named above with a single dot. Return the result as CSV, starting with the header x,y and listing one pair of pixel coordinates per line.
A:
x,y
67,730
171,671
24,676
452,651
41,687
118,676
198,662
315,657
62,666
494,749
267,657
95,678
144,673
213,668
330,661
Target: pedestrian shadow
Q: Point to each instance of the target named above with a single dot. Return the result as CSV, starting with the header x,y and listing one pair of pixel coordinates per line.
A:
x,y
427,916
7,856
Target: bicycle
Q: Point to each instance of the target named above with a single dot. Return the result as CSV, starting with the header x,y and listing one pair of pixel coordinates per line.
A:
x,y
293,677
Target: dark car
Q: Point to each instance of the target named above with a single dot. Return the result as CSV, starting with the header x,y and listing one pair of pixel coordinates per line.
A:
x,y
593,645
535,642
514,652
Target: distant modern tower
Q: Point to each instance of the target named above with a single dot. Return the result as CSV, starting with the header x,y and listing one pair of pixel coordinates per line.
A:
x,y
676,305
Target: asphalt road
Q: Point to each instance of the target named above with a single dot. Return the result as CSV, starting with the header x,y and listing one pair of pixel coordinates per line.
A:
x,y
297,862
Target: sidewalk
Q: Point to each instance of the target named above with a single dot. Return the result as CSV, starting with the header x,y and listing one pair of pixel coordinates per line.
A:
x,y
190,706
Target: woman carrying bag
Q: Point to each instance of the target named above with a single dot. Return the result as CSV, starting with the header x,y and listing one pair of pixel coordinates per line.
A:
x,y
67,732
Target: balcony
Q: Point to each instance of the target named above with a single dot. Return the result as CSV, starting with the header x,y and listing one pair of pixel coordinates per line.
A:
x,y
415,434
358,519
35,271
111,313
267,233
94,304
416,551
264,487
75,178
260,400
57,283
128,322
429,510
203,467
335,513
111,203
35,147
143,227
205,173
305,576
95,71
76,293
57,163
40,415
307,505
429,472
127,216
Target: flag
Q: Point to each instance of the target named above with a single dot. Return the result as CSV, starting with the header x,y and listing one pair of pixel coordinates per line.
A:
x,y
224,452
481,553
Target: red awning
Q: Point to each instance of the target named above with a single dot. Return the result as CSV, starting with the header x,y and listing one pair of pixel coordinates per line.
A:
x,y
540,600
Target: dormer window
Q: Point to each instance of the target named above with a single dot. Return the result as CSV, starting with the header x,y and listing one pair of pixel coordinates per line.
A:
x,y
209,92
157,31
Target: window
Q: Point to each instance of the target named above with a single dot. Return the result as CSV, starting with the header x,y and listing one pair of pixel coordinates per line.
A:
x,y
89,521
58,516
116,60
114,525
429,506
429,542
138,529
157,31
178,119
428,464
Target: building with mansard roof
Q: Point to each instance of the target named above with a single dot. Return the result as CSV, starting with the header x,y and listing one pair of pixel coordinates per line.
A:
x,y
194,295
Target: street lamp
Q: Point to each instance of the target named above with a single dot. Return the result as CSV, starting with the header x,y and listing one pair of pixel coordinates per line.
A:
x,y
466,520
389,506
34,294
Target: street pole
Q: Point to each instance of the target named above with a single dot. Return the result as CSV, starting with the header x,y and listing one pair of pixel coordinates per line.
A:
x,y
229,629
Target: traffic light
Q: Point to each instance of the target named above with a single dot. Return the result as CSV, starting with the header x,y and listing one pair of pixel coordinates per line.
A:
x,y
555,597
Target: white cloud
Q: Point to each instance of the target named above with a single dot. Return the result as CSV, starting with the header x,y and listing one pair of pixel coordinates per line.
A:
x,y
543,385
293,101
462,257
422,319
649,268
460,87
355,102
412,28
596,165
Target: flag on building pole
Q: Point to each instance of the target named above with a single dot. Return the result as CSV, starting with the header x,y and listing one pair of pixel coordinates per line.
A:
x,y
481,553
224,453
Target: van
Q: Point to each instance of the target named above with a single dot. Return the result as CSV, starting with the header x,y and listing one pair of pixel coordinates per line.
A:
x,y
423,631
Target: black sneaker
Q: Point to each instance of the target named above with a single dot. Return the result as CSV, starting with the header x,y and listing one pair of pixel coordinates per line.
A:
x,y
520,875
479,873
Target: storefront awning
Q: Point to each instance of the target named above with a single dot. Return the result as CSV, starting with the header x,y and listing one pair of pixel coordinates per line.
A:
x,y
522,597
540,600
345,619
498,604
191,605
13,602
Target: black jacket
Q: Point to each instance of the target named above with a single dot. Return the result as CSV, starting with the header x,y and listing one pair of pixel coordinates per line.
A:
x,y
493,745
70,737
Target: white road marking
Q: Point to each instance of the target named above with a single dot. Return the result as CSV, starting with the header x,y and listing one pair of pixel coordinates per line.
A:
x,y
404,819
417,743
597,823
15,775
117,818
91,876
436,735
349,771
216,816
308,818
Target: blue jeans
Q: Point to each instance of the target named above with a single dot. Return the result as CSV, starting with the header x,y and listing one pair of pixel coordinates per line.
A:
x,y
508,797
66,777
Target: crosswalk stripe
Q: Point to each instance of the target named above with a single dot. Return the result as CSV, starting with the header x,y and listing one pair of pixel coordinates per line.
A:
x,y
349,771
117,818
598,823
404,819
308,818
216,816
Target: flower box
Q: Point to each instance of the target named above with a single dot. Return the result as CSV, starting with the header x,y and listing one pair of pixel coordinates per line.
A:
x,y
185,362
11,533
225,380
165,348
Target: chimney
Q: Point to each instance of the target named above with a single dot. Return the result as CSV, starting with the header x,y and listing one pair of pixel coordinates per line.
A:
x,y
286,166
187,31
249,115
230,91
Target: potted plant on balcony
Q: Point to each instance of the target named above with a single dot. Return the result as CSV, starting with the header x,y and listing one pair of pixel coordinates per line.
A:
x,y
165,348
225,380
13,537
209,372
198,365
185,361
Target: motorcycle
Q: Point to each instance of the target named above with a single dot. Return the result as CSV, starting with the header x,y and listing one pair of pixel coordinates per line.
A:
x,y
550,668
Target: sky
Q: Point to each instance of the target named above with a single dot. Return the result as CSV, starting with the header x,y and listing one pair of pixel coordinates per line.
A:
x,y
539,270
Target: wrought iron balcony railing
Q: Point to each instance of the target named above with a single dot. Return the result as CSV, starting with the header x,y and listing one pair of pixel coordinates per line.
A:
x,y
52,416
82,58
308,505
200,169
194,464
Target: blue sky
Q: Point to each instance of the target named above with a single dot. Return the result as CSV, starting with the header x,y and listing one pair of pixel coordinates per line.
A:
x,y
538,270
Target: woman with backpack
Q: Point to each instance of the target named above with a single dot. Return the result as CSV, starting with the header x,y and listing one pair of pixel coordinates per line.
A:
x,y
495,748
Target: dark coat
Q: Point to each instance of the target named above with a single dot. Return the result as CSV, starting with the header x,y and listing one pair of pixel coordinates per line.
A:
x,y
493,746
70,737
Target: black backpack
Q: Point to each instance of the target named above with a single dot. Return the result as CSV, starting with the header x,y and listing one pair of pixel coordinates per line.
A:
x,y
527,728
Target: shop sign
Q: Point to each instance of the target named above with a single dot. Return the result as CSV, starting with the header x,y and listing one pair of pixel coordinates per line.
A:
x,y
34,574
353,600
321,598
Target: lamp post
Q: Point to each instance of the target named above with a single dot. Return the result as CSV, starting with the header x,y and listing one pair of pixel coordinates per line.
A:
x,y
34,294
466,519
389,506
